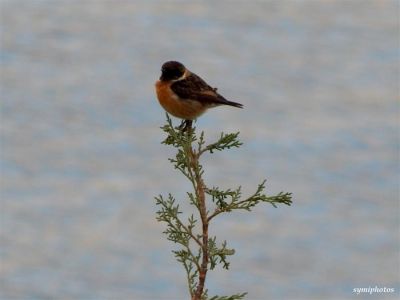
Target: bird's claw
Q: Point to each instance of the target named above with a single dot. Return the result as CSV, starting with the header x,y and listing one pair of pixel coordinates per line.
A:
x,y
186,125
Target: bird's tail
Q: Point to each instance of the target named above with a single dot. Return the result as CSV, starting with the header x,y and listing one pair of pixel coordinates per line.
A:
x,y
235,104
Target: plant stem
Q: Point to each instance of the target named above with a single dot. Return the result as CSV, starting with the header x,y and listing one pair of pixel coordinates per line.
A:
x,y
204,220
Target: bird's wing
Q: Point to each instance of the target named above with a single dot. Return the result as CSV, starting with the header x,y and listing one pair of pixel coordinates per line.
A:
x,y
193,87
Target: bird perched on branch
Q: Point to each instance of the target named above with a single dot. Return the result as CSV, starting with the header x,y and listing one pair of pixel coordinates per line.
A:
x,y
185,95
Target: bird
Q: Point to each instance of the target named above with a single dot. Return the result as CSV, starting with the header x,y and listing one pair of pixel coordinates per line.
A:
x,y
186,95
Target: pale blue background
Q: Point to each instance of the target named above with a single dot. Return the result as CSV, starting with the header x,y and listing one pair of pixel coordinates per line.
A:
x,y
81,157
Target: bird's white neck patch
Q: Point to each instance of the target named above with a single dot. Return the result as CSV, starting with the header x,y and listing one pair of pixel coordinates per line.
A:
x,y
186,74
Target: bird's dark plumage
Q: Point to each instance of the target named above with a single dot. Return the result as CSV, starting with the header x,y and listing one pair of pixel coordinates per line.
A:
x,y
193,87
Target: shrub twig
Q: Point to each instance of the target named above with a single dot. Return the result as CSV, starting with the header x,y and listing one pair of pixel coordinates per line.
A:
x,y
204,253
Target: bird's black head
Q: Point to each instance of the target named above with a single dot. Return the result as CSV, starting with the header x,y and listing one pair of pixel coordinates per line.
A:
x,y
172,70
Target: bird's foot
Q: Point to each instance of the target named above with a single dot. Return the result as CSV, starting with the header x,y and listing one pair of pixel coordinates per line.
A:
x,y
186,125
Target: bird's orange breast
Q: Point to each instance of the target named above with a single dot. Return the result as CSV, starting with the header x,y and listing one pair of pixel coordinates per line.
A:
x,y
181,108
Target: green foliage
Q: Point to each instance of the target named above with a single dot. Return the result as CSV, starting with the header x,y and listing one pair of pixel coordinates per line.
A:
x,y
198,252
235,202
233,297
218,255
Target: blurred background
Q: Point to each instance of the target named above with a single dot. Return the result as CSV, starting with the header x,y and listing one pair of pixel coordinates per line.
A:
x,y
81,158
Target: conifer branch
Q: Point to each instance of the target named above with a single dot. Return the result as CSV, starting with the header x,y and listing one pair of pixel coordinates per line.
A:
x,y
226,141
235,203
210,253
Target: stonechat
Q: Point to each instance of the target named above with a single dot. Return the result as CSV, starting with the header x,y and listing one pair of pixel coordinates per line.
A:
x,y
185,95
